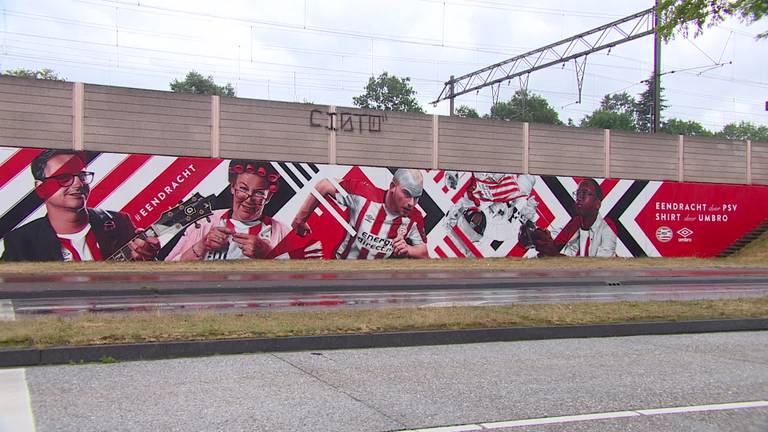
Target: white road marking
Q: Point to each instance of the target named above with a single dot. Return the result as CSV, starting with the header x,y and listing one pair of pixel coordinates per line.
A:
x,y
15,404
453,304
6,311
594,416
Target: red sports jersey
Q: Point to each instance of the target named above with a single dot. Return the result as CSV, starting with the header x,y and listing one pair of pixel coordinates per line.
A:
x,y
375,226
486,188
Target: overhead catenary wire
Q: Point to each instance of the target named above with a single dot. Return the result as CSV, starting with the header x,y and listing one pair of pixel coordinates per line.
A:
x,y
344,75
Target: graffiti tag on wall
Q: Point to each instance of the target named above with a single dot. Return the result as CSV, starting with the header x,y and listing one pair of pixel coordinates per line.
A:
x,y
348,122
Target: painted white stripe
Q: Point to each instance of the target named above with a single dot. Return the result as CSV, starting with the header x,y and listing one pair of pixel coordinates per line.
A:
x,y
134,184
320,198
703,408
6,311
15,404
561,216
447,304
6,153
15,190
613,197
556,420
435,191
595,416
103,166
628,219
310,171
450,429
570,185
215,182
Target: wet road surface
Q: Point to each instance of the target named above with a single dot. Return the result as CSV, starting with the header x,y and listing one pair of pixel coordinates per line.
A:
x,y
29,295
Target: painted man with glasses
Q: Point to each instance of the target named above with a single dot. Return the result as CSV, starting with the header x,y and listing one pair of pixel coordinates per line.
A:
x,y
586,234
242,231
70,231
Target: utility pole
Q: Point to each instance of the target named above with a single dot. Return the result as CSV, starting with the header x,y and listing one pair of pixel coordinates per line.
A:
x,y
451,90
656,72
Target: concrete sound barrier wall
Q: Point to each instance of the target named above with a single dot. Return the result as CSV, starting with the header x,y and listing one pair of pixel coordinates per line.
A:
x,y
55,114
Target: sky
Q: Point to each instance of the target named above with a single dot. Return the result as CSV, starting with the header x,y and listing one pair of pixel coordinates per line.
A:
x,y
324,51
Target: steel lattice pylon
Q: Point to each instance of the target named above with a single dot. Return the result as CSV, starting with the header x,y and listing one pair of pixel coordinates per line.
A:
x,y
606,36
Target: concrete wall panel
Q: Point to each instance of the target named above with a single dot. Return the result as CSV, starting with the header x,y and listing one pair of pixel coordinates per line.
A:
x,y
480,145
146,121
35,113
272,130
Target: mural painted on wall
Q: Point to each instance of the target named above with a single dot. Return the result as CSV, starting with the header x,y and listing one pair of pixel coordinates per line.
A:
x,y
60,205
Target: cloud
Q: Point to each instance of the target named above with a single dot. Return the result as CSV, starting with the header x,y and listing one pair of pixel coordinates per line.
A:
x,y
325,51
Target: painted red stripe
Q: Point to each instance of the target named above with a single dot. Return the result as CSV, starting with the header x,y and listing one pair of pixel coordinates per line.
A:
x,y
393,228
607,186
440,252
351,238
517,251
568,231
452,246
445,189
506,184
381,215
67,243
467,242
439,176
140,208
17,163
586,248
115,178
506,192
461,192
93,246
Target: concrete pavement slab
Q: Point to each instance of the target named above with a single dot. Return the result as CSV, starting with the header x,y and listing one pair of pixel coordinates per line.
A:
x,y
451,384
399,388
233,393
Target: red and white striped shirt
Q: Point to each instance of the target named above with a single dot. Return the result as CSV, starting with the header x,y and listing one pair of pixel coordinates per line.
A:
x,y
376,227
493,188
80,246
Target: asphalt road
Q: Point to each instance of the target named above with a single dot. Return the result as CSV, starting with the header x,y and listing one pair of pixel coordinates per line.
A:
x,y
424,387
67,294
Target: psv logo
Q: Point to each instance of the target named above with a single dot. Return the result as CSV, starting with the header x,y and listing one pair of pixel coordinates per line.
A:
x,y
664,234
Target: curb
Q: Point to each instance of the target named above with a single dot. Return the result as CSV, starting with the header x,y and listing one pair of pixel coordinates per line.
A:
x,y
168,350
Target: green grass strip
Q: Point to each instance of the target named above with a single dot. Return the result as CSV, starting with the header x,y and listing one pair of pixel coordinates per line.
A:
x,y
92,329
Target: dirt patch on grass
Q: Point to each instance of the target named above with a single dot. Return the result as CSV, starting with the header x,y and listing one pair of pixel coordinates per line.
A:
x,y
93,329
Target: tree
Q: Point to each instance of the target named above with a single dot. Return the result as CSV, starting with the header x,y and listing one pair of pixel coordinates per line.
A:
x,y
197,84
525,107
681,127
619,103
390,93
468,112
644,107
43,74
744,130
605,119
679,16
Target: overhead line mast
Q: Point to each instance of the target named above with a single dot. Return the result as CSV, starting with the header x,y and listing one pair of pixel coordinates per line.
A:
x,y
606,36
